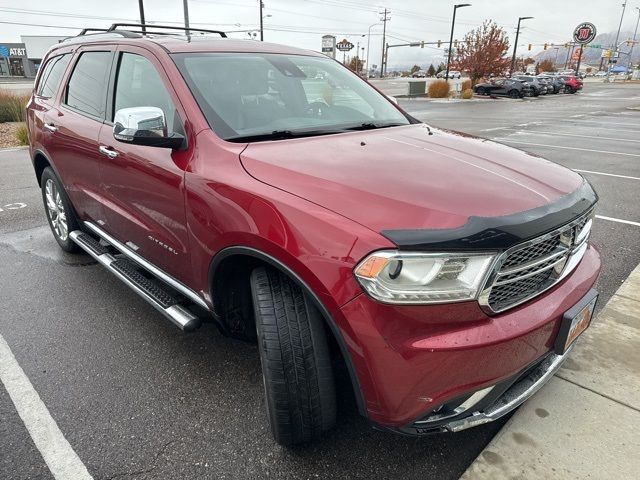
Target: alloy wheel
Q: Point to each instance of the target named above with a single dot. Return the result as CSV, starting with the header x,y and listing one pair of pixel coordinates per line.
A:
x,y
55,210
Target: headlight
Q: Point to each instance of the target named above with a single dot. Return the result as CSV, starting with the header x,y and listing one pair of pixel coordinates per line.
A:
x,y
396,277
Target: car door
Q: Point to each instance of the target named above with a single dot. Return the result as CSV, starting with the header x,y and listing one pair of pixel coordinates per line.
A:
x,y
144,185
499,88
73,126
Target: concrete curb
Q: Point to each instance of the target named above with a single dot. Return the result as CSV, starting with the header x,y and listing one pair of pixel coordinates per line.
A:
x,y
584,423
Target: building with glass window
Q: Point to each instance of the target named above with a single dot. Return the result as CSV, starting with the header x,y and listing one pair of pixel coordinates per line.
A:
x,y
23,59
14,61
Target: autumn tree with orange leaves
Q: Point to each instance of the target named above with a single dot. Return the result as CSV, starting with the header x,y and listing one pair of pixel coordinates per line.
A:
x,y
483,52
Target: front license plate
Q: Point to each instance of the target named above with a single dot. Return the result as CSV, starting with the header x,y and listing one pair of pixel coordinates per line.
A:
x,y
575,321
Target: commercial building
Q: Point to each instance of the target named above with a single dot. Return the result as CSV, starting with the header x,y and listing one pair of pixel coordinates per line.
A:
x,y
23,59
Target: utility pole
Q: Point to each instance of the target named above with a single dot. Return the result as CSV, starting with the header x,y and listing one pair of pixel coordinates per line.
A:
x,y
141,6
624,7
453,24
384,21
185,4
515,45
261,21
635,33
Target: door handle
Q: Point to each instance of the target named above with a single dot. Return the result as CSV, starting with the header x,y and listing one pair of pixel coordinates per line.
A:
x,y
51,127
108,151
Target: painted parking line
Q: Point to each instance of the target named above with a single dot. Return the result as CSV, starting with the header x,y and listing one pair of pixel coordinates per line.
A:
x,y
62,460
12,206
606,174
618,220
601,121
507,140
593,137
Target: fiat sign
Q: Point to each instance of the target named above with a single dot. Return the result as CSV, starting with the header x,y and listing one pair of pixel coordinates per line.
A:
x,y
584,33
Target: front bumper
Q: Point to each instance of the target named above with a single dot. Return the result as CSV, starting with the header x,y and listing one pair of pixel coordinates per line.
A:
x,y
516,394
413,360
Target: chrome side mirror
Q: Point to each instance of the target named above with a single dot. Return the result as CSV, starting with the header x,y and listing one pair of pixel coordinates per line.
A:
x,y
145,126
392,99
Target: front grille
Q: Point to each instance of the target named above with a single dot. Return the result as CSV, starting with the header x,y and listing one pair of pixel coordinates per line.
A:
x,y
529,269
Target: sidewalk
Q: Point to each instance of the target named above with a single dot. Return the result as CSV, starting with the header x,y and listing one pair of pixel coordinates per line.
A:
x,y
585,423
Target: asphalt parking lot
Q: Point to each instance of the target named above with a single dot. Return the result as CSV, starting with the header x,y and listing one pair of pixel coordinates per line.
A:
x,y
137,398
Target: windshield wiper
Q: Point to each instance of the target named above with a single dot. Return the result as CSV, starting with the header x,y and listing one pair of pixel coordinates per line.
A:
x,y
281,135
373,126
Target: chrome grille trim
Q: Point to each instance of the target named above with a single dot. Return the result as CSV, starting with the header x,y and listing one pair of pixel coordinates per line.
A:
x,y
526,270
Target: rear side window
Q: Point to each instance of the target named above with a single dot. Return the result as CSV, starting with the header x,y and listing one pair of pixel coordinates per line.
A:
x,y
86,91
52,74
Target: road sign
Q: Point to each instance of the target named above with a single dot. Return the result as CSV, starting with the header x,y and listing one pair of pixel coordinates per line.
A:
x,y
584,33
607,53
344,45
329,45
595,45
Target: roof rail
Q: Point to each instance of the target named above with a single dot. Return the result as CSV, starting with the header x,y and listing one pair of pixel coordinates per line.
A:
x,y
144,28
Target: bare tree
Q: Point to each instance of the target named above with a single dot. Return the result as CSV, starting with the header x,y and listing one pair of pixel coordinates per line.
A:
x,y
483,51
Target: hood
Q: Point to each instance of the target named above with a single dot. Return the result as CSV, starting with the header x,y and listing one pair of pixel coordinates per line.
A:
x,y
404,178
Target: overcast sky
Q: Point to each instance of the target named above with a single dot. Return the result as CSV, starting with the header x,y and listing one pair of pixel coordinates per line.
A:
x,y
303,22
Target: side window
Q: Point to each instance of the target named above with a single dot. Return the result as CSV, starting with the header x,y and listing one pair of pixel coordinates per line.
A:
x,y
138,84
88,83
52,74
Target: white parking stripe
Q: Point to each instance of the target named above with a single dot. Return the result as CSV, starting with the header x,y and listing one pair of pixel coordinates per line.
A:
x,y
607,174
507,140
619,220
593,137
61,459
601,122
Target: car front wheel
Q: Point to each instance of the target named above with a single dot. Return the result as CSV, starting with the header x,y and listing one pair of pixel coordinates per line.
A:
x,y
60,213
296,366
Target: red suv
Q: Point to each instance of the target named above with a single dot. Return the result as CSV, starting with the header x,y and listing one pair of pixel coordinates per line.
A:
x,y
572,84
272,191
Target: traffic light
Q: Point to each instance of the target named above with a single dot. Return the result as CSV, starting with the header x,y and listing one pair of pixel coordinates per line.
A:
x,y
545,46
439,43
422,45
455,44
529,47
566,45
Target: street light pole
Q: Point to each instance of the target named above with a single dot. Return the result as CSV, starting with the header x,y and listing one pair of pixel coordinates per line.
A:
x,y
368,45
453,24
624,7
515,45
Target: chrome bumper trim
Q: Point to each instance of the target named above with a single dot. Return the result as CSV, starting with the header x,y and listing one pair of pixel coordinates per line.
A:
x,y
514,397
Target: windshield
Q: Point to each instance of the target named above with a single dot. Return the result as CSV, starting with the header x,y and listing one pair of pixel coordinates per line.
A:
x,y
271,96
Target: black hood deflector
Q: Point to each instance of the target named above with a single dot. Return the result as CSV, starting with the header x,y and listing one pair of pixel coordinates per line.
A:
x,y
499,233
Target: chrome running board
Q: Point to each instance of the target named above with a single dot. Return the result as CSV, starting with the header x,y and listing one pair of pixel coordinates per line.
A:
x,y
129,273
150,267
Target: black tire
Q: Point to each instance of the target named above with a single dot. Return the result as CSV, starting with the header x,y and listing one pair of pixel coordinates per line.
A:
x,y
296,365
65,242
481,91
514,93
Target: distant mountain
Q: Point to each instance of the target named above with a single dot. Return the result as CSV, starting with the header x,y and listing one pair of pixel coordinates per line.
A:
x,y
592,55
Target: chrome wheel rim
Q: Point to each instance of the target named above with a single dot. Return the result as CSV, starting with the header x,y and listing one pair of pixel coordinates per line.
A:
x,y
55,210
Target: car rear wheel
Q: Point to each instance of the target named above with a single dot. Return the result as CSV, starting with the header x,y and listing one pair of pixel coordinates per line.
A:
x,y
60,214
296,365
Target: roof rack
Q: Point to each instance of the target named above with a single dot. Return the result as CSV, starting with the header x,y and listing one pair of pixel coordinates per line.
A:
x,y
144,29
